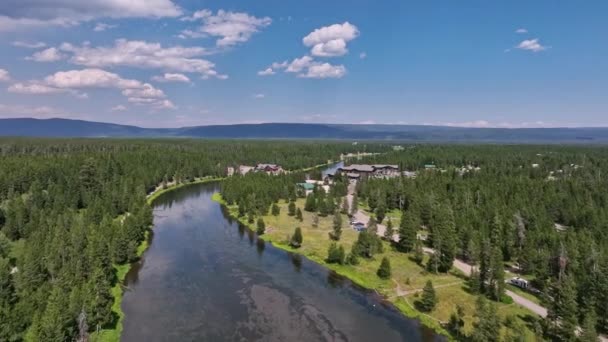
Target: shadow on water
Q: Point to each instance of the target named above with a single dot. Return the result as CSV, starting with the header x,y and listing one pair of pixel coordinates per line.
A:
x,y
201,280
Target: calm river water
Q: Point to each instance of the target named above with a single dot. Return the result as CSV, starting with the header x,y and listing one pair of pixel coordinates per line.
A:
x,y
206,278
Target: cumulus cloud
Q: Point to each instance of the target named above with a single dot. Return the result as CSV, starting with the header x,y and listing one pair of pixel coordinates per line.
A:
x,y
100,27
168,77
327,41
141,54
34,88
307,67
531,45
330,41
230,28
73,81
47,55
39,112
29,45
16,15
521,30
4,76
298,64
259,96
324,70
266,72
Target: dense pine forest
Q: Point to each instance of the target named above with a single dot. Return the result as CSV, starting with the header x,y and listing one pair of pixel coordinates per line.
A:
x,y
539,212
72,209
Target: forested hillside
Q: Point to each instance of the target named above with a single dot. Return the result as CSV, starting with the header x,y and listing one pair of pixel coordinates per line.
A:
x,y
70,210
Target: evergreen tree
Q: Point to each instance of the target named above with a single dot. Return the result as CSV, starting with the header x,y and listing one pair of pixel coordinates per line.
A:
x,y
291,208
275,210
380,212
588,331
311,203
299,216
372,226
388,233
384,271
337,227
456,322
367,245
496,284
487,325
418,253
335,254
562,311
296,239
261,226
408,229
352,259
345,209
429,298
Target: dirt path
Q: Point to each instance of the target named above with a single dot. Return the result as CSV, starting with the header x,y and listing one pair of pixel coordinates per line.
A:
x,y
458,264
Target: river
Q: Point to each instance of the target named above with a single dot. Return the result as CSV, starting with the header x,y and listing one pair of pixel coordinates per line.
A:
x,y
207,278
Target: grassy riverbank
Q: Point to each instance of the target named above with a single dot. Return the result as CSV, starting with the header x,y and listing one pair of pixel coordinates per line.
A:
x,y
113,334
407,278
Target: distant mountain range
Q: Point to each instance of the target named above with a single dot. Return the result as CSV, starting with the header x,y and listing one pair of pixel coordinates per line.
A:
x,y
418,133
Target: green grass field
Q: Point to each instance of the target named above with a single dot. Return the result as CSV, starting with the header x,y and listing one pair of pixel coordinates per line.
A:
x,y
407,277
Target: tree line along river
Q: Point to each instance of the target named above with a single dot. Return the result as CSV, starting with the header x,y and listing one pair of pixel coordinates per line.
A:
x,y
205,277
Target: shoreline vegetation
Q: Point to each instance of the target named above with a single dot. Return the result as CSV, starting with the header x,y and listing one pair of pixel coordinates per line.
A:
x,y
121,271
401,304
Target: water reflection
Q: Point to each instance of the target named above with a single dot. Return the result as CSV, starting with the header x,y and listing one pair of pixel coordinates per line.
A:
x,y
260,246
199,281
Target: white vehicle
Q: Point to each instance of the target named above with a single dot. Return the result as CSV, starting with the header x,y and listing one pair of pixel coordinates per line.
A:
x,y
519,282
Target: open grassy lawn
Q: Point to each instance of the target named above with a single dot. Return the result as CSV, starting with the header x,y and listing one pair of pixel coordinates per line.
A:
x,y
407,278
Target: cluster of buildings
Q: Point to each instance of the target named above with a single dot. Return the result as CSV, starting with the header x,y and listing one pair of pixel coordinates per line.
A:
x,y
362,171
270,169
309,186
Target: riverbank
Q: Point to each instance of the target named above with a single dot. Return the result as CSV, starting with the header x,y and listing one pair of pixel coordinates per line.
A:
x,y
316,244
113,335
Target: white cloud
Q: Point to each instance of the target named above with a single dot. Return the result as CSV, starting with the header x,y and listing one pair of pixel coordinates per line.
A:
x,y
168,77
307,67
119,108
330,41
100,27
363,55
39,112
4,76
266,72
17,15
298,64
141,54
324,70
34,88
521,30
47,55
231,28
28,45
259,96
73,81
531,45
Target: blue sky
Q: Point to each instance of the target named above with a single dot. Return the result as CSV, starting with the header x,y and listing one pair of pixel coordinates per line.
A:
x,y
170,63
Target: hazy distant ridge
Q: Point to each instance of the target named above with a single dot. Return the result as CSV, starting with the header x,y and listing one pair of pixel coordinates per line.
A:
x,y
80,128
